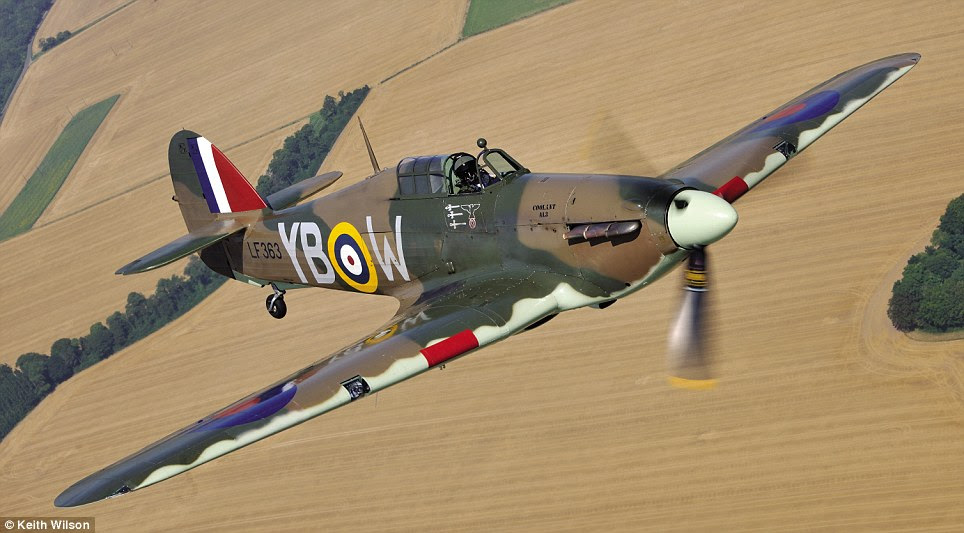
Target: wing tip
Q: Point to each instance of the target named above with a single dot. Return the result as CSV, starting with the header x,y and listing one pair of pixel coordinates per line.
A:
x,y
93,488
904,61
912,58
909,56
64,500
128,268
73,496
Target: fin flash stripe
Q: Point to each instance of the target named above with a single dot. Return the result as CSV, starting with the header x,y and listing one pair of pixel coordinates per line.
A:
x,y
225,188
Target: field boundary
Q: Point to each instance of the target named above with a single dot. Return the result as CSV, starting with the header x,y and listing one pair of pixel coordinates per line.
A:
x,y
38,374
927,336
35,56
508,22
52,172
23,71
463,37
877,337
419,62
154,179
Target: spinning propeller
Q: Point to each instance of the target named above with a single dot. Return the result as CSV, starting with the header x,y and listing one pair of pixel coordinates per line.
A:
x,y
688,357
695,219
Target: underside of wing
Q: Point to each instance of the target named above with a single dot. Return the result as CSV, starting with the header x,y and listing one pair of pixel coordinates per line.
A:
x,y
741,161
436,327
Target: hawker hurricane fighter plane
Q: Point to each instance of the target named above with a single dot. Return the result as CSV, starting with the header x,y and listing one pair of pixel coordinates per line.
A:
x,y
476,248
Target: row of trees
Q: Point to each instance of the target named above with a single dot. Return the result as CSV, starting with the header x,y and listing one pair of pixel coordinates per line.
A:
x,y
930,295
36,374
20,19
47,43
305,150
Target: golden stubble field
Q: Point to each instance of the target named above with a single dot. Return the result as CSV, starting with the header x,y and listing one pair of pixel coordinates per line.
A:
x,y
825,417
73,15
231,72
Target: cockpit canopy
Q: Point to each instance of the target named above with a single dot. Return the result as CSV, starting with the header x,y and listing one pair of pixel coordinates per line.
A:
x,y
423,175
458,173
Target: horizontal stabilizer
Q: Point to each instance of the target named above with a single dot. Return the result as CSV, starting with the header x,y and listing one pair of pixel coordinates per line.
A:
x,y
290,196
182,247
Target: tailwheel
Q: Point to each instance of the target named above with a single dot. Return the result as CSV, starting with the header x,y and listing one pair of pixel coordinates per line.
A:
x,y
275,303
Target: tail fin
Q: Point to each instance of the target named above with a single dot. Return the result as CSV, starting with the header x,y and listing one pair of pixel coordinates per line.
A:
x,y
206,183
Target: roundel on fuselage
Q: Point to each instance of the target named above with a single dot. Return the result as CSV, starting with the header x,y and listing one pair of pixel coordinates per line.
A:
x,y
351,259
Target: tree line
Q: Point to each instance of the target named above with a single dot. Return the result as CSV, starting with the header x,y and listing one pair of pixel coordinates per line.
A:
x,y
930,294
35,375
46,43
20,19
305,150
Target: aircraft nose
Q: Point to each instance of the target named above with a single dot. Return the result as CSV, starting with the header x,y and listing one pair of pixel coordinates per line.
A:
x,y
698,218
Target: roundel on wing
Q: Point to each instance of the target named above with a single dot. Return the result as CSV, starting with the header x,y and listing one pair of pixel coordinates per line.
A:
x,y
253,409
816,105
351,258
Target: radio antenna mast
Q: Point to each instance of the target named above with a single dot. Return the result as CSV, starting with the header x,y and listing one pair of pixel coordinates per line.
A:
x,y
368,144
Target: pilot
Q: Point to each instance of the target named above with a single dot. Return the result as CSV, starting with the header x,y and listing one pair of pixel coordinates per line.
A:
x,y
484,177
468,173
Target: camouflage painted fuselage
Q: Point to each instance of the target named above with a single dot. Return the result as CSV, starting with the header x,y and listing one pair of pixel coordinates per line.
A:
x,y
410,245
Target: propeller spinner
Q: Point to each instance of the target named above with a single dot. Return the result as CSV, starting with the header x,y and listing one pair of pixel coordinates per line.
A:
x,y
696,218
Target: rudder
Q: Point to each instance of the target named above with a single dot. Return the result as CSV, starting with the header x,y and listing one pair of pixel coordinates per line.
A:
x,y
206,183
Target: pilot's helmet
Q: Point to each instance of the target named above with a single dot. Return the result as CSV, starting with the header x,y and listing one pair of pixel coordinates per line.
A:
x,y
467,169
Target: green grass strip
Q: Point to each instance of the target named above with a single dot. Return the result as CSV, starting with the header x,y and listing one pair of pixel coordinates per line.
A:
x,y
50,175
485,15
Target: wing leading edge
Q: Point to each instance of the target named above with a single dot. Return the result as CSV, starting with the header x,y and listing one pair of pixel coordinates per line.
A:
x,y
741,161
452,321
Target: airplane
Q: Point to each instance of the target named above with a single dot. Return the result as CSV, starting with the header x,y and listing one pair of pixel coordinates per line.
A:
x,y
476,248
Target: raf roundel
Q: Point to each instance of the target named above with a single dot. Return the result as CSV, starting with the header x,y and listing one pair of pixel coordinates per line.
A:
x,y
814,106
351,258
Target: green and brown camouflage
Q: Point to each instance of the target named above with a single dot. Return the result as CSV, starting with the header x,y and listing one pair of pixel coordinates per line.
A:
x,y
475,247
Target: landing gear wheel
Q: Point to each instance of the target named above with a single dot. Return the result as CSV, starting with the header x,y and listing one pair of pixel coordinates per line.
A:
x,y
276,306
275,303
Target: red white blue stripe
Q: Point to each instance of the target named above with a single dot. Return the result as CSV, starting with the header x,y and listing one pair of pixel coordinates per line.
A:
x,y
225,188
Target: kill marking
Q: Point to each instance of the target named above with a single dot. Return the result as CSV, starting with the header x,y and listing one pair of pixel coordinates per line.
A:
x,y
455,212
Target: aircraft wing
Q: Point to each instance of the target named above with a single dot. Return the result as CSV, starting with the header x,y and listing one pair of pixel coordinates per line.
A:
x,y
431,329
741,161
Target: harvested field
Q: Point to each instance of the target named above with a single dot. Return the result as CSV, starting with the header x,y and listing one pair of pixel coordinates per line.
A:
x,y
43,185
70,301
257,73
71,15
825,419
